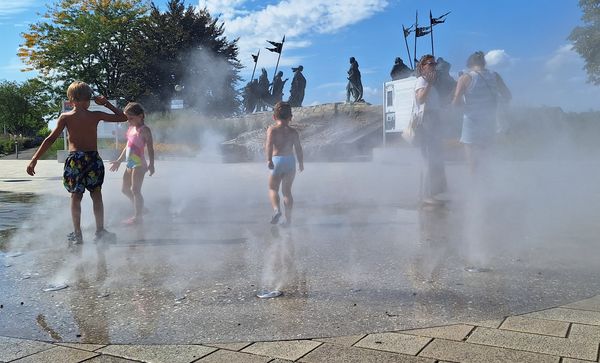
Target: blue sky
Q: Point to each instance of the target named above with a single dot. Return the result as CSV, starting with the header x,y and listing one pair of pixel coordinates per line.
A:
x,y
525,41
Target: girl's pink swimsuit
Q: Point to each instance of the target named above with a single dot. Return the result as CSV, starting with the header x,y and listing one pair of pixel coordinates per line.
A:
x,y
135,148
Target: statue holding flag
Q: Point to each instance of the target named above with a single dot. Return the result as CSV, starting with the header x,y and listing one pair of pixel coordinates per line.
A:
x,y
277,87
263,90
354,87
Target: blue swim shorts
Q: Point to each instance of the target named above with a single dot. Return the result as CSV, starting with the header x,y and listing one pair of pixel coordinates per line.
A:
x,y
284,164
83,170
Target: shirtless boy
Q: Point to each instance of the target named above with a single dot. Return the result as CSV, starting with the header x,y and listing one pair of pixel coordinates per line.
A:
x,y
282,141
84,168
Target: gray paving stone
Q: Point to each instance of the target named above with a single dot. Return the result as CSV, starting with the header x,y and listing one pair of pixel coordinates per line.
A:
x,y
12,348
346,341
227,356
571,360
536,326
585,333
561,314
280,361
394,342
572,348
229,346
492,323
592,304
291,349
110,359
58,354
330,353
474,353
83,346
451,332
159,353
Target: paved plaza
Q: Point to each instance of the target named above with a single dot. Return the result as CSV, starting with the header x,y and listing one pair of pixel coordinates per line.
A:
x,y
366,275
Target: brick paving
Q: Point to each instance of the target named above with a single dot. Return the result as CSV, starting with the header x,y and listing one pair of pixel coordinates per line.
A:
x,y
564,334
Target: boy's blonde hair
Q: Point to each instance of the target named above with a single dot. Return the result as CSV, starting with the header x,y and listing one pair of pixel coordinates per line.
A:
x,y
282,111
134,108
79,91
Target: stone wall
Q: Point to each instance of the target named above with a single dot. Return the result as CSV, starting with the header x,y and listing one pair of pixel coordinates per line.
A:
x,y
332,131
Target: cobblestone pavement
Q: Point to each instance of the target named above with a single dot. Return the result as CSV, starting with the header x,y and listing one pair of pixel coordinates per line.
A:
x,y
541,303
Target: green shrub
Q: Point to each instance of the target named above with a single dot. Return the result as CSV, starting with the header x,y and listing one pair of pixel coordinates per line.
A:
x,y
51,154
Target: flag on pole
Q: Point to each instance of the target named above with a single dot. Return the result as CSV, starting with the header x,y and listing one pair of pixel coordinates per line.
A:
x,y
255,57
277,46
438,20
407,31
422,31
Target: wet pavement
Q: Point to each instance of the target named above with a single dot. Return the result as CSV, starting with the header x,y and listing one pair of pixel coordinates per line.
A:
x,y
359,258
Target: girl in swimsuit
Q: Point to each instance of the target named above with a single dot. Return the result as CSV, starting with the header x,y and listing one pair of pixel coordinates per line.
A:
x,y
139,137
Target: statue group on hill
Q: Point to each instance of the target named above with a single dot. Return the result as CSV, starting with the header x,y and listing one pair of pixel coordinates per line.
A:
x,y
260,95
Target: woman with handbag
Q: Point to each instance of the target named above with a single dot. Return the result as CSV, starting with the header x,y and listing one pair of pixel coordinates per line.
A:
x,y
430,130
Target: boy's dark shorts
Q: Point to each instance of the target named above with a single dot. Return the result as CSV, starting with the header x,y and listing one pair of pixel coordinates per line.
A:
x,y
83,170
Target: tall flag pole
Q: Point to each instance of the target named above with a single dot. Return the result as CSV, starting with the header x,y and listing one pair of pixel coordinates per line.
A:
x,y
255,58
431,33
435,21
406,34
416,36
277,48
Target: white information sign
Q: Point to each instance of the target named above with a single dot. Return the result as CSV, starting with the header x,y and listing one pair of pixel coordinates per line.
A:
x,y
398,98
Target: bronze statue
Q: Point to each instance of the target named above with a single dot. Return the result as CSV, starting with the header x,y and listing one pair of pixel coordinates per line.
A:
x,y
250,96
354,86
444,83
297,89
400,70
247,98
278,84
263,91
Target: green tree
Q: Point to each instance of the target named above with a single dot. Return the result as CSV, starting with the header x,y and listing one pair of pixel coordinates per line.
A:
x,y
185,47
24,108
88,40
586,39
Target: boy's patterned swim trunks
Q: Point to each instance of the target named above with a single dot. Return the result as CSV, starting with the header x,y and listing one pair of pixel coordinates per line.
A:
x,y
83,170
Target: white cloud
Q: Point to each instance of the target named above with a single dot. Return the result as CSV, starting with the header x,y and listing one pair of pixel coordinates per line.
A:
x,y
296,19
498,58
11,7
563,57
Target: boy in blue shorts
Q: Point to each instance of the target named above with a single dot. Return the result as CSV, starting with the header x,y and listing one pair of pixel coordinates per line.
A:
x,y
84,168
282,141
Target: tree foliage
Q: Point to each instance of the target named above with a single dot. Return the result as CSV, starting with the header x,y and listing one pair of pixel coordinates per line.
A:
x,y
85,40
189,50
24,107
124,48
586,39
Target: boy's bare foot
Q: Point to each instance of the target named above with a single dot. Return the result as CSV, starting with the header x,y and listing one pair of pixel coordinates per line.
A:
x,y
275,218
105,236
132,221
75,238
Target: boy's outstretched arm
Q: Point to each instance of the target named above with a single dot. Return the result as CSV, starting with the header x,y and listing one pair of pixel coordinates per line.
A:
x,y
118,115
48,141
114,165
